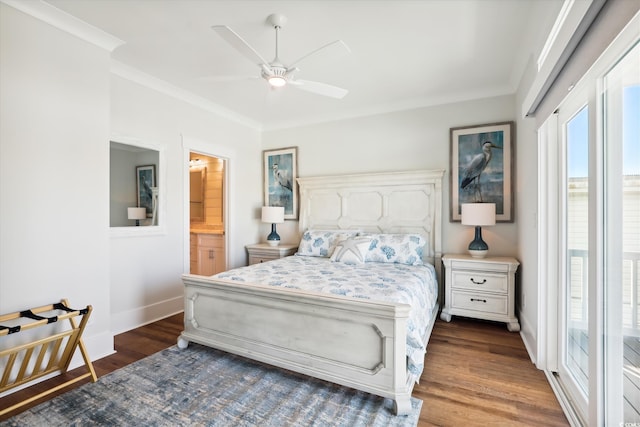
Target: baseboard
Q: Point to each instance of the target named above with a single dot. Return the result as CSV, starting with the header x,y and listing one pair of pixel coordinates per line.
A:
x,y
127,320
528,339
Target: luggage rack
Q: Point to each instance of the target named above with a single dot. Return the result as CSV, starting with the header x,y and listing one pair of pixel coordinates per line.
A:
x,y
32,360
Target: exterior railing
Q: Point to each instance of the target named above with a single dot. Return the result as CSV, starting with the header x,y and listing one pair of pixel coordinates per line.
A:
x,y
630,292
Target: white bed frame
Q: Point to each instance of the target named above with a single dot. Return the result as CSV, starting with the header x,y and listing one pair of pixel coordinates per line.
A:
x,y
355,343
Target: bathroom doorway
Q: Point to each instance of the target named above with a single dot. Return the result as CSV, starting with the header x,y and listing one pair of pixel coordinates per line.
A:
x,y
206,214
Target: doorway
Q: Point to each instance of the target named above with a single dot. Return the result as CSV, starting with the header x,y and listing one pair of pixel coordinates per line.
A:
x,y
206,214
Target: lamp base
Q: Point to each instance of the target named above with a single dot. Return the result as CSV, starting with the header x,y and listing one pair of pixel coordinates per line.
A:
x,y
273,239
478,254
478,248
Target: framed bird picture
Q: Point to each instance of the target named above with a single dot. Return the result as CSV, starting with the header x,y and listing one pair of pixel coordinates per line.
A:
x,y
280,170
145,181
482,168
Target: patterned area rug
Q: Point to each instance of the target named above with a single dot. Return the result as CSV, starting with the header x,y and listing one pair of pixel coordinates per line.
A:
x,y
200,386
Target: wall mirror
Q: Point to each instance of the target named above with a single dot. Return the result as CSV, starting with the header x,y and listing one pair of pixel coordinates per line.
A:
x,y
134,186
206,195
197,182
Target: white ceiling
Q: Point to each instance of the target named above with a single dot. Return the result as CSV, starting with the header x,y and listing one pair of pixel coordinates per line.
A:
x,y
404,54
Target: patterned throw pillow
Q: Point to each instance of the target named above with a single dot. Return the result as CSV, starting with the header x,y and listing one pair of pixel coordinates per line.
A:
x,y
397,248
321,243
351,251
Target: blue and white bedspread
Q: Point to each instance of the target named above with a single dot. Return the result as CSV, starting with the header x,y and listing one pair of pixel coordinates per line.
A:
x,y
415,285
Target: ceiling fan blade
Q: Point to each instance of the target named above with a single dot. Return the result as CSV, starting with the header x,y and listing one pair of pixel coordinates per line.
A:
x,y
320,88
226,78
239,44
331,51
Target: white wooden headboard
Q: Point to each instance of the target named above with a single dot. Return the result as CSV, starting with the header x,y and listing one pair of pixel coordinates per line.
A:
x,y
388,202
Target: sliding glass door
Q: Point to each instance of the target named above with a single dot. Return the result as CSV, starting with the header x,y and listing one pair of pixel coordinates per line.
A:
x,y
573,366
621,138
597,232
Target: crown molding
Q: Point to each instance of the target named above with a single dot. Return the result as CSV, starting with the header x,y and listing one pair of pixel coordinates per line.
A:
x,y
63,21
151,82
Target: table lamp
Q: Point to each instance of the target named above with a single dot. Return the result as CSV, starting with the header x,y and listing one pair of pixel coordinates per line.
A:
x,y
137,214
273,215
478,214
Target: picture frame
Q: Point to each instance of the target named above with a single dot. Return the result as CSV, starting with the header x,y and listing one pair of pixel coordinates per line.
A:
x,y
280,170
473,180
145,180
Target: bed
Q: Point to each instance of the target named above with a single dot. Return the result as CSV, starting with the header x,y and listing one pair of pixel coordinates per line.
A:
x,y
342,337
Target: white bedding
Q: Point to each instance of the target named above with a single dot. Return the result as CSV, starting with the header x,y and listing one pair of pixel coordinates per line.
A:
x,y
415,285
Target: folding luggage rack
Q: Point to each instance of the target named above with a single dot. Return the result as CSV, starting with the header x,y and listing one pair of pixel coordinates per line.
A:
x,y
32,360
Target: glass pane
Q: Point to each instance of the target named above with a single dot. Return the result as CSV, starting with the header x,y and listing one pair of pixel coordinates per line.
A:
x,y
622,252
577,337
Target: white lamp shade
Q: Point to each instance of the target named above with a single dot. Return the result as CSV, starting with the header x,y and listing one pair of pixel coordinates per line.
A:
x,y
478,214
136,213
273,214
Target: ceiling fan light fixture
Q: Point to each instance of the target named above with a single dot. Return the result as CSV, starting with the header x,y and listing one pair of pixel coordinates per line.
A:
x,y
277,81
276,73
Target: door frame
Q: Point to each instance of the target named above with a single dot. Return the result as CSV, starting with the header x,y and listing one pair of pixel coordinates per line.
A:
x,y
211,149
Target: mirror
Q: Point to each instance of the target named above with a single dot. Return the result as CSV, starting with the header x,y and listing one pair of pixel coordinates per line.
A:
x,y
133,182
206,184
197,180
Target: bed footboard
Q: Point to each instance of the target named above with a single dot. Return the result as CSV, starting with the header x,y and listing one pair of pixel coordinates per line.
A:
x,y
358,344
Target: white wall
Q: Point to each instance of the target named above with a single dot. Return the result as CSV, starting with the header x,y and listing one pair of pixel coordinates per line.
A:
x,y
406,140
54,172
145,270
60,106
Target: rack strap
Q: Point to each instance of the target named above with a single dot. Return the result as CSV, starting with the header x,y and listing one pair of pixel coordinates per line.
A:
x,y
61,306
31,315
12,329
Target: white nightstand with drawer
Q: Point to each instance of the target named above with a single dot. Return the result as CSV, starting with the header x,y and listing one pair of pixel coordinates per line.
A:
x,y
263,252
482,288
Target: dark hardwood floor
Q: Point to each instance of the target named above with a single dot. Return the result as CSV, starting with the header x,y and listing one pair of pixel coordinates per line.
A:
x,y
476,373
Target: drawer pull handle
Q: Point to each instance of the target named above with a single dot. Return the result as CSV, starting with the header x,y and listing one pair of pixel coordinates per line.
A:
x,y
478,299
478,283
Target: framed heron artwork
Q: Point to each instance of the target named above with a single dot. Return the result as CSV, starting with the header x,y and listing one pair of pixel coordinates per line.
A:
x,y
145,181
280,170
482,168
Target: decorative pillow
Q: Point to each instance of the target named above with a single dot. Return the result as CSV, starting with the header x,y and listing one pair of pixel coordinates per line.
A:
x,y
321,243
397,248
352,250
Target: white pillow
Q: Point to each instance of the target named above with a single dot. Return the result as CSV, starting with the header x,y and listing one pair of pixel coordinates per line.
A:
x,y
321,243
397,248
351,251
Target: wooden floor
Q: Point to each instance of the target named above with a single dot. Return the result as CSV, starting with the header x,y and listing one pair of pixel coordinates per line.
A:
x,y
476,373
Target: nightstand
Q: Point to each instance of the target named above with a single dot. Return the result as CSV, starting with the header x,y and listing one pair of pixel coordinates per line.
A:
x,y
482,288
263,252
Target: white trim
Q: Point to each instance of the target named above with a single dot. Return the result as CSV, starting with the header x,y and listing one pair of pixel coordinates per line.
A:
x,y
140,316
560,48
66,22
133,74
558,26
207,148
548,226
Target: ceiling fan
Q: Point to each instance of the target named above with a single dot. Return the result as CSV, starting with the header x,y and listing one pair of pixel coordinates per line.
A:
x,y
276,73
